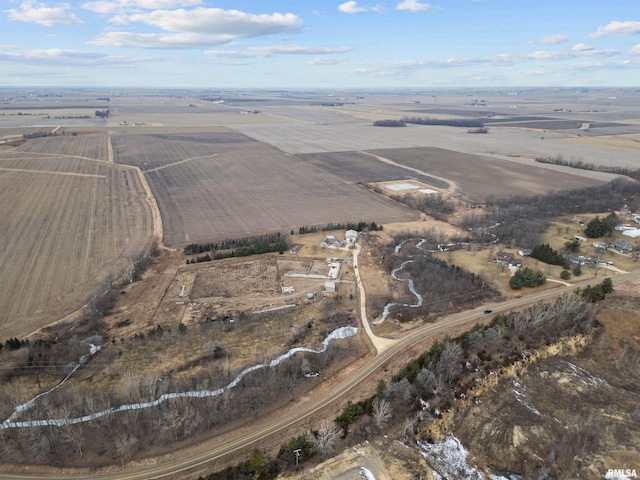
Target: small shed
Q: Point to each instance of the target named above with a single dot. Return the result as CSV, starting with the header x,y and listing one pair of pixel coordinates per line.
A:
x,y
330,287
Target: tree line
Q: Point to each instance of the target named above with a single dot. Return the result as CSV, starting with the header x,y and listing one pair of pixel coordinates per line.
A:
x,y
194,248
389,123
546,254
559,160
454,122
522,219
358,227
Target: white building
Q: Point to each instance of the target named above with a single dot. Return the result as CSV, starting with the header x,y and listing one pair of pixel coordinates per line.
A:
x,y
330,287
351,236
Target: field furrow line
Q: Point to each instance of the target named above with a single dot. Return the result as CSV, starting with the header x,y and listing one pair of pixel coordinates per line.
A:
x,y
180,162
49,172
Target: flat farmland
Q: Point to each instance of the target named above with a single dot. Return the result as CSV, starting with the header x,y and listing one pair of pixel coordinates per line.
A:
x,y
508,142
215,191
362,168
90,147
180,112
477,177
150,151
66,223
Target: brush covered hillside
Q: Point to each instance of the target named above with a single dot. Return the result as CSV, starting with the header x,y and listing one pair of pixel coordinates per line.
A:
x,y
567,408
571,413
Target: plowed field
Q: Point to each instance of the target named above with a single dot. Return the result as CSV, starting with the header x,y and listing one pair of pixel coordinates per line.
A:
x,y
216,186
68,220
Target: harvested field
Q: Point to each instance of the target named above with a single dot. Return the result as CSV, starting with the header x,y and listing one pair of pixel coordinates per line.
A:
x,y
362,168
91,147
502,141
67,223
225,185
478,177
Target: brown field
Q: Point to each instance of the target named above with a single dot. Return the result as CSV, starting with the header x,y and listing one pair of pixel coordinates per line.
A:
x,y
478,177
67,221
224,185
361,167
508,143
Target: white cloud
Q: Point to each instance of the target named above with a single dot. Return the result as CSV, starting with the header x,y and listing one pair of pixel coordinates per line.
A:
x,y
268,51
351,7
35,12
62,57
160,40
582,47
617,28
579,50
553,39
325,61
413,6
200,27
111,6
217,21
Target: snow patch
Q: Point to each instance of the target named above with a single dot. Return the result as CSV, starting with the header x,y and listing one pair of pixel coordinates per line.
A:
x,y
448,459
366,473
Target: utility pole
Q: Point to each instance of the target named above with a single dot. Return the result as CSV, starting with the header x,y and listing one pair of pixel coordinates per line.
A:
x,y
297,454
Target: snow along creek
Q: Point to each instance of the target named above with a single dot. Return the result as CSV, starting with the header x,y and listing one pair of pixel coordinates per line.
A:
x,y
409,281
11,422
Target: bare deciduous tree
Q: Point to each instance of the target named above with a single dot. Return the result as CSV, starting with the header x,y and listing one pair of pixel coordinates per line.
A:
x,y
449,366
327,436
124,445
381,412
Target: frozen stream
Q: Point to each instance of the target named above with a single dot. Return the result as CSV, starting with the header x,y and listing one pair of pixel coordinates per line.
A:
x,y
11,422
409,281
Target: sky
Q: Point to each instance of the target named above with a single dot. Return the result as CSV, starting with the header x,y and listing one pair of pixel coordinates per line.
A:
x,y
319,44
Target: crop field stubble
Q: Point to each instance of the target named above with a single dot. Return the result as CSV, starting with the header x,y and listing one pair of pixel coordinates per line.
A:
x,y
68,220
225,185
476,177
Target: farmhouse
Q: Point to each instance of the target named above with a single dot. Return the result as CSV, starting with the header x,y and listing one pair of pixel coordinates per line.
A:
x,y
508,259
331,242
351,236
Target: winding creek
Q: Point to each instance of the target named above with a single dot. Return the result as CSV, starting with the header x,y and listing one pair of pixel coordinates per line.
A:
x,y
11,422
409,281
